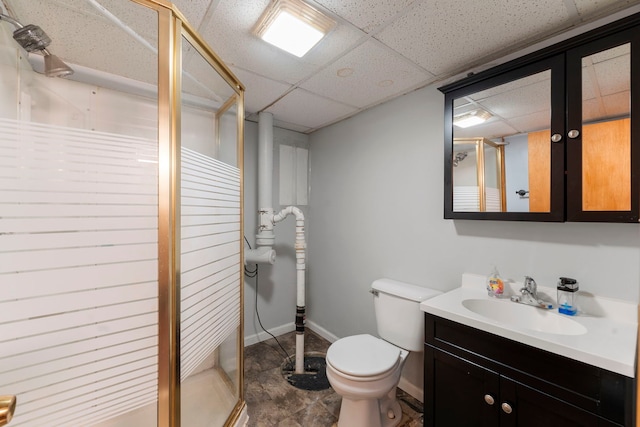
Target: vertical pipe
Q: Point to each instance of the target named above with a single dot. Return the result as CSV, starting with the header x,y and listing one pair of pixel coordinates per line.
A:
x,y
265,236
300,246
265,160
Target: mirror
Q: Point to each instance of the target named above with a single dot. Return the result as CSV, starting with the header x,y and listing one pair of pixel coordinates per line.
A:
x,y
511,121
606,130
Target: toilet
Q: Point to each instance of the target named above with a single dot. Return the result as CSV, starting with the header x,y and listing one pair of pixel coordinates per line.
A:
x,y
365,370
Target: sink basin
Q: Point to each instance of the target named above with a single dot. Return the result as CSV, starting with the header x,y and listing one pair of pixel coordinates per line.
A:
x,y
524,316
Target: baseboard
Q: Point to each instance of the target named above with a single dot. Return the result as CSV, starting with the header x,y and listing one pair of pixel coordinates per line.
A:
x,y
321,331
263,336
283,329
411,389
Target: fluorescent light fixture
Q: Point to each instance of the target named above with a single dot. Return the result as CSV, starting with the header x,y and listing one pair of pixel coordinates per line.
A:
x,y
293,26
471,118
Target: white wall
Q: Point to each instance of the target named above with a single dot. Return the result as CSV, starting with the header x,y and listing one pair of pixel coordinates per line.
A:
x,y
276,283
377,211
516,165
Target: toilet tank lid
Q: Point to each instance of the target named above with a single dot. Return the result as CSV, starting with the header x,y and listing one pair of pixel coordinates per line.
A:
x,y
404,290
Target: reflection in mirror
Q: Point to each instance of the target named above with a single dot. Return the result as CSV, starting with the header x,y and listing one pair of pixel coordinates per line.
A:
x,y
478,176
512,121
606,130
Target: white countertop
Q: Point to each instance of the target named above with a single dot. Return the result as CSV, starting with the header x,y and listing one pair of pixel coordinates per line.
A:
x,y
611,325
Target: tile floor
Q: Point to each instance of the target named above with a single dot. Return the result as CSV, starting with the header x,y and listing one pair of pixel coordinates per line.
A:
x,y
272,401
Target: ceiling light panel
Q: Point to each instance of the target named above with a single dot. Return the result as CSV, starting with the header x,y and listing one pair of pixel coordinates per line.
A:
x,y
293,26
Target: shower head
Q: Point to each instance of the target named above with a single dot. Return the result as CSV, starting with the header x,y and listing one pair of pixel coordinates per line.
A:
x,y
459,157
54,66
33,38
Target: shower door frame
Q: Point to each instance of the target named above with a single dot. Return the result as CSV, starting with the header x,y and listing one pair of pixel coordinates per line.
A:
x,y
172,26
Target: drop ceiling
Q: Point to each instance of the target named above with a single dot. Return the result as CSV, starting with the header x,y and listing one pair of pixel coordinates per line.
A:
x,y
378,50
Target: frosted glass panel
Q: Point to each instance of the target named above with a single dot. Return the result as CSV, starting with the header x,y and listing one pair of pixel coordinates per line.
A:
x,y
78,273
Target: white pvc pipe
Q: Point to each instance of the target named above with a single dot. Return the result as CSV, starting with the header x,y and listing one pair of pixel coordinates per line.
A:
x,y
300,246
265,239
265,160
265,236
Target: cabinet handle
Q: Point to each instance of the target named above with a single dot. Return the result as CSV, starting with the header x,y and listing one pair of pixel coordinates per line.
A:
x,y
556,137
506,408
489,399
573,133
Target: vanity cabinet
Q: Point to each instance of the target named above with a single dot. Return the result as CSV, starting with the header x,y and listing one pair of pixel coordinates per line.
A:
x,y
566,120
474,378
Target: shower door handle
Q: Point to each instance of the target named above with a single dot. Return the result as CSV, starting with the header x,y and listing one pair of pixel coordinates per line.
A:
x,y
7,408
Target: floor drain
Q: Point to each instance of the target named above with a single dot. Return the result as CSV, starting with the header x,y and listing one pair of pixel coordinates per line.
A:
x,y
314,377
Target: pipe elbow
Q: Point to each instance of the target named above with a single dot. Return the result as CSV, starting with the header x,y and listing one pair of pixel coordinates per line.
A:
x,y
289,210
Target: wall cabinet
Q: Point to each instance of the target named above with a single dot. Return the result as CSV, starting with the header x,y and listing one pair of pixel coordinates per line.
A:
x,y
567,121
473,378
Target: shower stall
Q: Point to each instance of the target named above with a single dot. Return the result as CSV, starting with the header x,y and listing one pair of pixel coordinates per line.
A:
x,y
121,251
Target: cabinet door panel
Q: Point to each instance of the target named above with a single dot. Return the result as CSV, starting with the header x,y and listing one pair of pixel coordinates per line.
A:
x,y
522,109
602,158
461,392
532,408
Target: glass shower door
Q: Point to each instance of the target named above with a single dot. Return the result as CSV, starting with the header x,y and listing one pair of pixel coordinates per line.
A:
x,y
78,222
211,237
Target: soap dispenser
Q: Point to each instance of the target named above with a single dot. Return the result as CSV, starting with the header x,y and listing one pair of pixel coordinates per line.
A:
x,y
495,284
567,296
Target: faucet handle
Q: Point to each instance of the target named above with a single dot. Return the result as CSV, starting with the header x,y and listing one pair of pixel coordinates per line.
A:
x,y
530,284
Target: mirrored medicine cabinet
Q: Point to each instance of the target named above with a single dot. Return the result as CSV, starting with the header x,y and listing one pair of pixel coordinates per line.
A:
x,y
552,136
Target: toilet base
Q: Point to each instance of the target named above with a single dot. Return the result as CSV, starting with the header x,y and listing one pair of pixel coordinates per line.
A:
x,y
385,412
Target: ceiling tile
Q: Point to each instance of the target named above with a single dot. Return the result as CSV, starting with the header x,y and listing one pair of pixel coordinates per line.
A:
x,y
532,122
617,105
294,108
529,99
376,73
590,7
366,18
260,91
614,75
230,35
447,35
488,129
194,11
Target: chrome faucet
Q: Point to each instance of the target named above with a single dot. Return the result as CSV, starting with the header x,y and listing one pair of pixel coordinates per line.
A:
x,y
529,295
530,290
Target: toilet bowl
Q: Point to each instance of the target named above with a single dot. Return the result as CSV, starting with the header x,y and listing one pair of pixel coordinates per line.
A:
x,y
365,371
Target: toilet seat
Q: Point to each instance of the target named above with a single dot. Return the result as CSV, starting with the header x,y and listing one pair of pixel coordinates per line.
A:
x,y
363,356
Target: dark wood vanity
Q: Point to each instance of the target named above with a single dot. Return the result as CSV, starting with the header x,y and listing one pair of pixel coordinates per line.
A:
x,y
566,120
475,378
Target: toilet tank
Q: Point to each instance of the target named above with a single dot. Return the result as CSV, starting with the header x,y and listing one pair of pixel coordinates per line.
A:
x,y
397,310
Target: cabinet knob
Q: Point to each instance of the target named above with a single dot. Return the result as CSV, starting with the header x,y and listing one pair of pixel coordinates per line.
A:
x,y
556,137
573,133
506,408
489,399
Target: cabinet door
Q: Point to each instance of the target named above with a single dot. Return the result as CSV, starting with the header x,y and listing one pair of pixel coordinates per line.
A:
x,y
603,152
458,392
523,111
524,406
